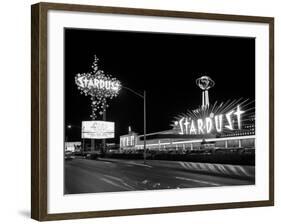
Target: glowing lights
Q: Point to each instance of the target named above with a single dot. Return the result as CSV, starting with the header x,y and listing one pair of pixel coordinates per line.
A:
x,y
228,117
238,114
218,122
205,83
127,141
210,124
97,129
99,86
86,81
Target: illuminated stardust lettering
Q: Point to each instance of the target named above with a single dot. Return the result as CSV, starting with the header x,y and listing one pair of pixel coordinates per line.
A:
x,y
85,82
186,123
90,83
181,126
80,82
209,125
228,117
213,122
218,122
96,82
192,128
114,86
200,126
107,84
238,114
101,84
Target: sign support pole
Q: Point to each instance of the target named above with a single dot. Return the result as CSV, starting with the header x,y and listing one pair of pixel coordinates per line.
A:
x,y
92,145
103,141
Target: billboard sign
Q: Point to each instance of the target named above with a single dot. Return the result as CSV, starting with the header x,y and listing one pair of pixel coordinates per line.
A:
x,y
97,129
72,146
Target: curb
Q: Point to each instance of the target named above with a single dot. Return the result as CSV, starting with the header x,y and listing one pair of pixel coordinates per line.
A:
x,y
236,171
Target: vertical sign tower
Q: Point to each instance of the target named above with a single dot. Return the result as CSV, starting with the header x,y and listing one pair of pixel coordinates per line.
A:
x,y
205,83
100,87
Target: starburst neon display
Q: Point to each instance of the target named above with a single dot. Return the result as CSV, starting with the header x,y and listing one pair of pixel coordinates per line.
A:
x,y
215,119
99,86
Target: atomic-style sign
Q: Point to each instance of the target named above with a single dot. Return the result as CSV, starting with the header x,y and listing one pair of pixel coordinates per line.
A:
x,y
205,83
99,86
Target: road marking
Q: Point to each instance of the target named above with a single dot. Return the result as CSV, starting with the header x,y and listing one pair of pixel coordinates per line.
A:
x,y
114,178
198,181
115,184
120,180
139,164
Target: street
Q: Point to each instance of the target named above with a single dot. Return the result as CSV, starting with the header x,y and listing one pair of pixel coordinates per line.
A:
x,y
112,175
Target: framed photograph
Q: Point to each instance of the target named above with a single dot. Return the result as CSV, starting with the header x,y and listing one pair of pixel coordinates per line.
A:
x,y
138,111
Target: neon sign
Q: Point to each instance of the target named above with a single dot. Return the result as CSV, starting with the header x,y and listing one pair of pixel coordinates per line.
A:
x,y
99,86
86,81
213,123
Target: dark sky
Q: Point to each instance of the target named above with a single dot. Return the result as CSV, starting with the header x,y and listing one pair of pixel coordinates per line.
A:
x,y
165,65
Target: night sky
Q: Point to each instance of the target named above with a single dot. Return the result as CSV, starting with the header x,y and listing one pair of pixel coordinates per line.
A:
x,y
165,65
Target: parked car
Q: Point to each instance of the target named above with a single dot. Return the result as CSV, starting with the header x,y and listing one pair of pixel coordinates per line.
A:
x,y
68,155
93,155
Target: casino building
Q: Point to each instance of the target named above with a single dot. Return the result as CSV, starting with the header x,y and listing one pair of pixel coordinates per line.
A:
x,y
218,126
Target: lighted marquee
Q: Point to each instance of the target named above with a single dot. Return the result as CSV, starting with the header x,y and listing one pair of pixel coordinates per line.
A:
x,y
99,86
224,118
97,129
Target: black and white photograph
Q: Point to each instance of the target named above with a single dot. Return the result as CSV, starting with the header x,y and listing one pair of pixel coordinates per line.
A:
x,y
157,111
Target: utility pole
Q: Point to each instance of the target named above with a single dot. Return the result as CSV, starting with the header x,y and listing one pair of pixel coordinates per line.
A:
x,y
144,119
144,126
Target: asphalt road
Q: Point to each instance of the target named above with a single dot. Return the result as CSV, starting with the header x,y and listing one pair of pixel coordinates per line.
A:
x,y
93,176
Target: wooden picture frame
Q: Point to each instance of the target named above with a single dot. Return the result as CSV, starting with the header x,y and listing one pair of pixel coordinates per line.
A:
x,y
39,110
